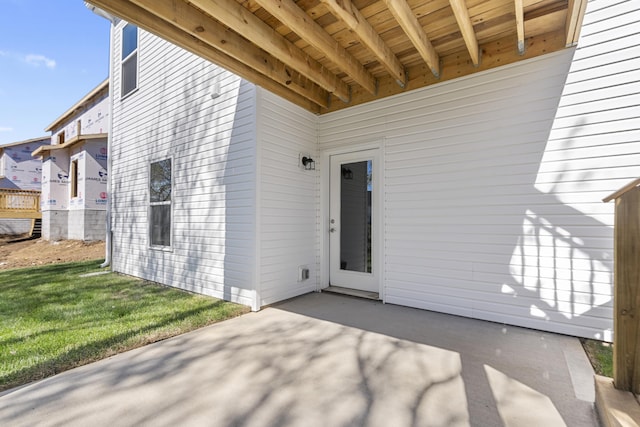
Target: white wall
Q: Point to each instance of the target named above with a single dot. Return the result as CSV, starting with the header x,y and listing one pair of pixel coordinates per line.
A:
x,y
19,169
93,117
92,175
91,156
212,144
493,194
493,182
55,181
96,170
287,199
77,154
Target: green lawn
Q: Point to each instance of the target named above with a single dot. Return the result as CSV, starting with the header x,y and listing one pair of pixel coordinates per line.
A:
x,y
600,355
51,319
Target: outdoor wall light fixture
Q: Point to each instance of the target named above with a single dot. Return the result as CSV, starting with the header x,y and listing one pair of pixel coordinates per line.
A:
x,y
347,173
308,163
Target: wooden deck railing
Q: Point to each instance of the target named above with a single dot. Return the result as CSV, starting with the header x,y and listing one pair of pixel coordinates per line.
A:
x,y
626,287
19,203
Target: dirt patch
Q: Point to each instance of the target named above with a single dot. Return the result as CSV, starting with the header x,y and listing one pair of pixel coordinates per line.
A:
x,y
27,253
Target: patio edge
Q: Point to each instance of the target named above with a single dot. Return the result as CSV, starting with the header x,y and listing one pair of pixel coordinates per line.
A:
x,y
615,408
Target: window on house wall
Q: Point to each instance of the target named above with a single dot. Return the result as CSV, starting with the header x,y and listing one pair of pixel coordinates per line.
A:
x,y
74,178
61,138
129,59
160,203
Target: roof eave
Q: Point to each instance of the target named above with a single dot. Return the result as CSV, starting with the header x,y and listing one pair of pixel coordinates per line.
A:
x,y
77,105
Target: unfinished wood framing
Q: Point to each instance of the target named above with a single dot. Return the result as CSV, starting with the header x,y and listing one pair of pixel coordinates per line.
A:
x,y
412,28
255,30
466,28
151,23
306,51
188,18
352,18
303,25
520,25
575,14
40,151
500,52
19,204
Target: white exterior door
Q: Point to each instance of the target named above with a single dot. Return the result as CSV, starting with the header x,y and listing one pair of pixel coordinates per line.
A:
x,y
353,217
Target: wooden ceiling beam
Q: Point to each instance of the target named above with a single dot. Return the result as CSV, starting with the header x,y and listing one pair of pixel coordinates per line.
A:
x,y
192,21
289,13
575,15
520,25
356,22
412,28
239,19
499,52
466,28
148,21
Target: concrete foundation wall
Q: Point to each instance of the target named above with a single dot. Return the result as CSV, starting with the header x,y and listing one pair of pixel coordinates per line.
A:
x,y
54,225
14,227
86,224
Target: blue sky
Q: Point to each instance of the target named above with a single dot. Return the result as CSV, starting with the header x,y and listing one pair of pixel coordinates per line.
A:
x,y
52,53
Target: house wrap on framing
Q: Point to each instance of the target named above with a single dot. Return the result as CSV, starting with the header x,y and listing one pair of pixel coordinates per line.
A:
x,y
477,195
19,171
74,170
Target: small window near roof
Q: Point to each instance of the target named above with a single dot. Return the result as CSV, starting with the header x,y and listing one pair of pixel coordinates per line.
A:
x,y
129,59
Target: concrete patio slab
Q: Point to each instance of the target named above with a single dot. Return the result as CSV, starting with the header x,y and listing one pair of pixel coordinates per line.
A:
x,y
325,360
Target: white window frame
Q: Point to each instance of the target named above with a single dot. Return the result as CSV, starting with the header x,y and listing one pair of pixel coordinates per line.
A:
x,y
169,247
129,58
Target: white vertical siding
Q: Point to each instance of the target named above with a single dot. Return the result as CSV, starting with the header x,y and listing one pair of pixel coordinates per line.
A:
x,y
211,141
288,199
493,193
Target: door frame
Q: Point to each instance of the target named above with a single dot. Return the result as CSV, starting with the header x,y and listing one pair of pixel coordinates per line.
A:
x,y
325,200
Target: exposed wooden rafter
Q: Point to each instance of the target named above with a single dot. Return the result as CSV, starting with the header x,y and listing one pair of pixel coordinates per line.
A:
x,y
308,51
303,25
356,22
412,28
239,19
499,52
575,14
461,13
148,21
520,25
215,34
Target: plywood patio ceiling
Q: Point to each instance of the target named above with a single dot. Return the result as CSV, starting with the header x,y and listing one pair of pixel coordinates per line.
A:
x,y
326,55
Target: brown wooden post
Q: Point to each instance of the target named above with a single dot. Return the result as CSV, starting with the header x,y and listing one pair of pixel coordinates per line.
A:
x,y
626,294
